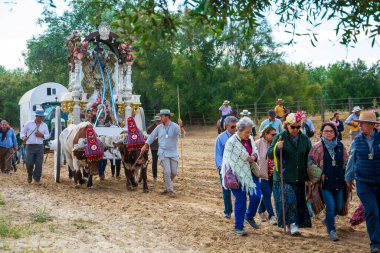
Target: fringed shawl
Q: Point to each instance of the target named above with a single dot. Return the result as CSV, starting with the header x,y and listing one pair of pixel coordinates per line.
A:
x,y
235,157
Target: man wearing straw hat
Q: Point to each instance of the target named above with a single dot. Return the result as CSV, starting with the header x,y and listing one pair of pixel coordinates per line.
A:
x,y
167,134
33,134
226,110
364,167
154,146
351,122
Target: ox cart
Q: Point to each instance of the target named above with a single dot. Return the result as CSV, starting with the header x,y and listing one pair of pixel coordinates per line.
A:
x,y
99,98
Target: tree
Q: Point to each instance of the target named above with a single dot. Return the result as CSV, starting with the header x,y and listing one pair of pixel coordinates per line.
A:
x,y
155,16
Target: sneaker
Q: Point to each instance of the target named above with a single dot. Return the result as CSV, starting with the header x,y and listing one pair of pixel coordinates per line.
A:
x,y
262,217
333,236
29,179
273,220
294,229
375,250
252,223
172,194
227,216
240,232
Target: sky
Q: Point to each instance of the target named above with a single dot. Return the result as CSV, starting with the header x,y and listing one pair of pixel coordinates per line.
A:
x,y
20,24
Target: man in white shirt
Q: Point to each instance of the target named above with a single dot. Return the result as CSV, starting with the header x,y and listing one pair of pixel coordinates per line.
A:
x,y
33,134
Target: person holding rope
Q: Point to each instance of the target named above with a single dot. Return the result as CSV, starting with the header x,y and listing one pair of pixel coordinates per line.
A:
x,y
8,146
290,197
33,134
167,134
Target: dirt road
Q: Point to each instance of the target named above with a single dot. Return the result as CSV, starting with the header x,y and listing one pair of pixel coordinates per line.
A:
x,y
110,219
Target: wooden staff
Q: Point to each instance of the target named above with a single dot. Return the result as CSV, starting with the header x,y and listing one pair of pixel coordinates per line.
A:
x,y
179,118
282,192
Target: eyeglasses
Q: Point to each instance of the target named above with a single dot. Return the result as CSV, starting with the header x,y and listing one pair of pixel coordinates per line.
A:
x,y
295,127
328,131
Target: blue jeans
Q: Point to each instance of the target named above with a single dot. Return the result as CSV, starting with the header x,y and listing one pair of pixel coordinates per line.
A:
x,y
241,204
102,167
226,198
222,121
266,201
21,154
334,203
369,195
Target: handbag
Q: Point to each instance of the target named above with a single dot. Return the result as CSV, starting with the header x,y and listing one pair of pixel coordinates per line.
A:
x,y
230,180
255,168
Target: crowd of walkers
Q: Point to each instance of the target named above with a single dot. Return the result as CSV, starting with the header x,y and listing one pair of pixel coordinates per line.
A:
x,y
304,178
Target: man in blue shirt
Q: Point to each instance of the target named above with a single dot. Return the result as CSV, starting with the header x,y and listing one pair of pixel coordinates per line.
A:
x,y
273,122
364,167
351,122
167,134
221,140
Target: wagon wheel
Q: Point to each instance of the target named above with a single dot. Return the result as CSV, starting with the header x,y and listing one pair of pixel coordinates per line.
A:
x,y
57,152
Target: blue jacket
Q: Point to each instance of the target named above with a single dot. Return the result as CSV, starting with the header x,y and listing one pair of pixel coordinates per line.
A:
x,y
10,140
219,148
367,170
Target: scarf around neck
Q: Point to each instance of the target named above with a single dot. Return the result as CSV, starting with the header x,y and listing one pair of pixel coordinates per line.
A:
x,y
330,145
4,133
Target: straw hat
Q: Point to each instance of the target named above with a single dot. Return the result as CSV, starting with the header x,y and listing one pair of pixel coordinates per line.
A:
x,y
356,109
226,102
367,116
245,113
280,100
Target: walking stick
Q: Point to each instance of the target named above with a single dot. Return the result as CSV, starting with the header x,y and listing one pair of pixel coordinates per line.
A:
x,y
282,192
179,118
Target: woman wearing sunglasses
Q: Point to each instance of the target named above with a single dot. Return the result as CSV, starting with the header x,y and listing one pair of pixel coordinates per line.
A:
x,y
295,148
331,156
266,174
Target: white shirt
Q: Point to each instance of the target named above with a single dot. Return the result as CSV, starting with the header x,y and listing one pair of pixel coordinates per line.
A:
x,y
30,130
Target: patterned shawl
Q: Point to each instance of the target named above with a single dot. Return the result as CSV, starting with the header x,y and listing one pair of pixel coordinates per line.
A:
x,y
235,157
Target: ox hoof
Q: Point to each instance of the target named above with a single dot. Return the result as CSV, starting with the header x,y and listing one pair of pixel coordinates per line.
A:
x,y
77,186
90,187
146,191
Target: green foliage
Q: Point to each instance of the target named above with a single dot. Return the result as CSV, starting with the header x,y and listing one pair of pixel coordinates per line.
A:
x,y
152,21
40,216
7,230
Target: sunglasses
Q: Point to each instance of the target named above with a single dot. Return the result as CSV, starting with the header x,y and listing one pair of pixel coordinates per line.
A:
x,y
233,127
273,134
295,127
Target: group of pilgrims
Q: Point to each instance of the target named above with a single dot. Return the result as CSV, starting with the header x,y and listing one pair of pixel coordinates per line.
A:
x,y
304,178
277,158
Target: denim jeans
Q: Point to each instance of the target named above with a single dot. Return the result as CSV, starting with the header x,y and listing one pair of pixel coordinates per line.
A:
x,y
102,167
334,203
226,198
117,165
21,154
222,121
241,204
369,195
34,160
266,200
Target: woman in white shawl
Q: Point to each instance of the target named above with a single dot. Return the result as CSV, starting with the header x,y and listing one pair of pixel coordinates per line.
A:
x,y
239,153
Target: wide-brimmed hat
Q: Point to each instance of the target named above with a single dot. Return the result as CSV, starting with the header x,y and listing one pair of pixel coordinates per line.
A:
x,y
166,112
226,102
156,118
280,100
367,116
245,113
356,109
39,113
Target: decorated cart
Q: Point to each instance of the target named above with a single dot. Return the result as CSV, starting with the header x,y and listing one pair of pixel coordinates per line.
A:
x,y
100,87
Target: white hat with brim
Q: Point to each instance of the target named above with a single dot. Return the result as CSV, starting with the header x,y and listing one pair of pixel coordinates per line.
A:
x,y
356,109
39,113
166,112
367,116
156,118
245,112
226,102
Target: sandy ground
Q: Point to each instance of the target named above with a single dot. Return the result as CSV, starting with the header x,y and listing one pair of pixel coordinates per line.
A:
x,y
110,219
